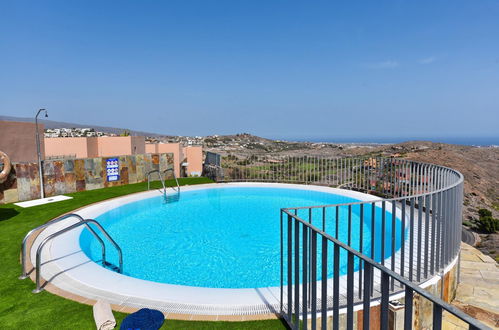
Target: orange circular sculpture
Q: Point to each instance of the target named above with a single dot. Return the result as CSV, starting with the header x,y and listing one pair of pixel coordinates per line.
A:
x,y
4,159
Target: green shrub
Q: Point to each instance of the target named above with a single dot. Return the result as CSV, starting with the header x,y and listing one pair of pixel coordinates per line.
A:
x,y
467,224
486,222
484,213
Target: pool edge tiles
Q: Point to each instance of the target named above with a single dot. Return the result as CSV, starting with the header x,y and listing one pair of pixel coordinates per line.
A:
x,y
71,270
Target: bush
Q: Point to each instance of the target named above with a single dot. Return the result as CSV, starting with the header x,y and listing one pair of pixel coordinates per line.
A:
x,y
486,222
484,213
467,224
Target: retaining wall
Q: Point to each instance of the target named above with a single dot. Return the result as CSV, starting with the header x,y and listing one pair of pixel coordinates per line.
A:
x,y
72,175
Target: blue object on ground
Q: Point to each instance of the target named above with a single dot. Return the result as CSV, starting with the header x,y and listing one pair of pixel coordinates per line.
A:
x,y
143,319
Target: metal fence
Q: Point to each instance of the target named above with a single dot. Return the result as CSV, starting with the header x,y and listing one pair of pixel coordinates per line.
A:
x,y
369,250
387,177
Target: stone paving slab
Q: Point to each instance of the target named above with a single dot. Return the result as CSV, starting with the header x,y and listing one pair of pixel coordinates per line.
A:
x,y
478,291
452,322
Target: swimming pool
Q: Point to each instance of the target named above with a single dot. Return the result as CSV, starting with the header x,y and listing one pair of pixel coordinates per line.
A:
x,y
222,237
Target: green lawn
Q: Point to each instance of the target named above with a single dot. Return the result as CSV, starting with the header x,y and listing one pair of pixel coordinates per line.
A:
x,y
21,309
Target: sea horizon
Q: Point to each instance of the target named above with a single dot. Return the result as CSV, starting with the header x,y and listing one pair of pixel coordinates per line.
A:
x,y
468,141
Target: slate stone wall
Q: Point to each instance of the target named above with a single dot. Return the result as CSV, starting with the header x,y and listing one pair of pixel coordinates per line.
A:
x,y
72,175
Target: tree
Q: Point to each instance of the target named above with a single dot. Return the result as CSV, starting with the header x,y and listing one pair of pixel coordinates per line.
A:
x,y
125,132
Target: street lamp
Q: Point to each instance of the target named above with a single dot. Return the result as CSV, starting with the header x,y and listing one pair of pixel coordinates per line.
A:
x,y
42,193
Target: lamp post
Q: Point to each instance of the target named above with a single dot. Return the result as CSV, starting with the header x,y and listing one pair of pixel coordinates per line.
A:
x,y
40,172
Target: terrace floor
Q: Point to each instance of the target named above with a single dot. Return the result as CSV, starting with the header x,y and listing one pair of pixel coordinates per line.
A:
x,y
478,291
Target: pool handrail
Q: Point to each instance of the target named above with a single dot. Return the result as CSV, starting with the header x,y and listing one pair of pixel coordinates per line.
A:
x,y
24,273
174,177
64,230
162,180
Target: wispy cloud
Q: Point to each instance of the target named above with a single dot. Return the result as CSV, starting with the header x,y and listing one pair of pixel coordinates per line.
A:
x,y
389,64
427,60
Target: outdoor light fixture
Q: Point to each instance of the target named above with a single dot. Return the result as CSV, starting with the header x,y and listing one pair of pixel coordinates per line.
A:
x,y
40,168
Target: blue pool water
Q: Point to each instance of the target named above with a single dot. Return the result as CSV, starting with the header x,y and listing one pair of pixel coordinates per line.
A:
x,y
219,237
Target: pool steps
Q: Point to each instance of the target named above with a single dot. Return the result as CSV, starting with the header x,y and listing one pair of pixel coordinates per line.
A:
x,y
80,222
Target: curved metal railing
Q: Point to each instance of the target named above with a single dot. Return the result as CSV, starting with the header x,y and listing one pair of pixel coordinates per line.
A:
x,y
24,271
386,177
425,198
66,229
177,189
413,227
310,295
160,179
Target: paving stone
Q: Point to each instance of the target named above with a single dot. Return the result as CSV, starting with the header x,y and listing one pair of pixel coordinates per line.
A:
x,y
487,259
490,276
467,271
477,265
464,289
478,289
469,257
452,322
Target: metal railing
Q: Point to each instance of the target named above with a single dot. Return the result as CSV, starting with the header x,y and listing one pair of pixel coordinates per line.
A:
x,y
408,235
24,271
66,229
160,179
176,189
386,177
214,172
309,294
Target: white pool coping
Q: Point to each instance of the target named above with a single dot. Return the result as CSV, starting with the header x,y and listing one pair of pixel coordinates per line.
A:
x,y
66,266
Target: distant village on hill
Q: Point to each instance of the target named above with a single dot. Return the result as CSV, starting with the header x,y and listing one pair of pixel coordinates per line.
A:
x,y
74,132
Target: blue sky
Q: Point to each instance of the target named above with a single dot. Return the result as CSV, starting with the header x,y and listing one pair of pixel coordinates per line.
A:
x,y
339,69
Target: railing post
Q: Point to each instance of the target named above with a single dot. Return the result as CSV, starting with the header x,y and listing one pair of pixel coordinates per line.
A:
x,y
290,269
437,317
281,294
313,279
385,296
297,271
408,308
336,287
350,293
304,276
324,284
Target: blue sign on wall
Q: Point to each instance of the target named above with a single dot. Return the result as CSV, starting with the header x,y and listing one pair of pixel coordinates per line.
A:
x,y
113,169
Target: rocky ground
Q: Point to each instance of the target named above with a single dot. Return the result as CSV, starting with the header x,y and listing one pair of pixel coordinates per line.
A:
x,y
479,165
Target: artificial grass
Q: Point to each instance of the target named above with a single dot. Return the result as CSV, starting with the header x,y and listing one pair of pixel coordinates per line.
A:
x,y
21,309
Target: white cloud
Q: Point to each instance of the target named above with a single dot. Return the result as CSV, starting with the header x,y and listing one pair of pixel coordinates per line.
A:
x,y
427,60
389,64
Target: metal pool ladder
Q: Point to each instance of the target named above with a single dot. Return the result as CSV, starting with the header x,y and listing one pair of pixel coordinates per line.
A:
x,y
73,226
176,189
80,222
24,273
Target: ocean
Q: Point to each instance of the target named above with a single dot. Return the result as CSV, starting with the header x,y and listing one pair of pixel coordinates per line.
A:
x,y
470,141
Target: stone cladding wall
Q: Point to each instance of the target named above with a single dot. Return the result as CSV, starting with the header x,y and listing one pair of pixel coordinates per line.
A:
x,y
72,175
